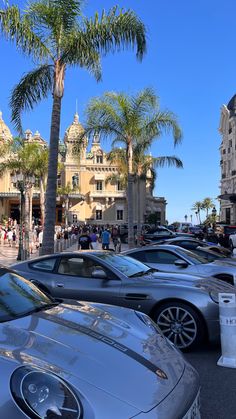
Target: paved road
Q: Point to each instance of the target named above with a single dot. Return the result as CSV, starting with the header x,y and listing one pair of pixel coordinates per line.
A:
x,y
218,384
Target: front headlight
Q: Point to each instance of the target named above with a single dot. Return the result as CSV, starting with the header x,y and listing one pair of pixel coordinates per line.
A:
x,y
149,322
40,394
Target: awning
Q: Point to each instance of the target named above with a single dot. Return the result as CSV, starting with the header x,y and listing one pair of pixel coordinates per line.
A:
x,y
228,197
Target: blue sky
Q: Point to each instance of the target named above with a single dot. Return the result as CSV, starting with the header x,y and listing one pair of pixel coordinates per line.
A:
x,y
191,64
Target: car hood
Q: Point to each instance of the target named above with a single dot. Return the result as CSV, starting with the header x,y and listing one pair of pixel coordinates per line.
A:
x,y
225,262
93,345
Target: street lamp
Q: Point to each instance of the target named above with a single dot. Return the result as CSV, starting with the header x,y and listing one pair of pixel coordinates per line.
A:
x,y
23,183
214,212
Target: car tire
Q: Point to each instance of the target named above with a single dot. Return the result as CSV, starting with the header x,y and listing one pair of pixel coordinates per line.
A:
x,y
181,324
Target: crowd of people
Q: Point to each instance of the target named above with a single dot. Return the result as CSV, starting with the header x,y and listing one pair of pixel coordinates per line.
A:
x,y
88,236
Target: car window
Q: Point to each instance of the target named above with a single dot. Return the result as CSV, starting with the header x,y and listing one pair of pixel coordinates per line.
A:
x,y
76,266
160,256
44,265
187,244
19,297
139,256
123,263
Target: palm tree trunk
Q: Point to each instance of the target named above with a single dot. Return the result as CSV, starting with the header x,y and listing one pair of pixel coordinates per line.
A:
x,y
30,207
138,211
26,223
42,199
50,201
130,195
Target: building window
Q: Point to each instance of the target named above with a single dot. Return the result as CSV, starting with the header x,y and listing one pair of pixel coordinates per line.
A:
x,y
99,159
223,151
230,130
59,180
119,214
119,186
230,143
99,185
75,180
98,214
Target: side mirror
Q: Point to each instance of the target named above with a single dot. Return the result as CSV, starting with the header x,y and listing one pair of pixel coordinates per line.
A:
x,y
99,273
181,263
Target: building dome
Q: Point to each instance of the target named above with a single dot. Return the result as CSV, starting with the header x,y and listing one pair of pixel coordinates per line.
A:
x,y
74,131
232,105
5,133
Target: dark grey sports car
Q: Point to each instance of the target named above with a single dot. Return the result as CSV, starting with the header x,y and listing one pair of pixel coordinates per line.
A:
x,y
86,361
184,306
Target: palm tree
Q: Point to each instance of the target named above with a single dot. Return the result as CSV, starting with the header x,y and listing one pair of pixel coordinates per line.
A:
x,y
207,204
126,119
64,38
197,206
143,164
22,158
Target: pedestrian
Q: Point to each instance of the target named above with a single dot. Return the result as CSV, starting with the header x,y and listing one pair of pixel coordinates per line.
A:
x,y
116,239
94,239
105,237
40,238
84,242
9,237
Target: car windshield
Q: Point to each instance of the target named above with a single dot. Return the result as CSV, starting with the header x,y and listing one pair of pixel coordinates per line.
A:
x,y
125,264
193,257
18,297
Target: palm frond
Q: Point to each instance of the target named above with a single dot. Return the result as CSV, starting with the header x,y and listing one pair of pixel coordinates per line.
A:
x,y
77,50
31,89
117,29
167,161
18,28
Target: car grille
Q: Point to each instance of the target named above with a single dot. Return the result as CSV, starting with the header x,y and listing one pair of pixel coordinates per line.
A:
x,y
194,411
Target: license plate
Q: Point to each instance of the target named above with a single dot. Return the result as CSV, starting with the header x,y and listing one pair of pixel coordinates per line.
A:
x,y
194,411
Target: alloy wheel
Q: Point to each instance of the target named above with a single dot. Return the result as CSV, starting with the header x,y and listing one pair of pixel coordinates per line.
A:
x,y
178,325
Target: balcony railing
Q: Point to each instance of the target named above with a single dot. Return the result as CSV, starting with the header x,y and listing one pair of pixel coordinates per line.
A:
x,y
108,194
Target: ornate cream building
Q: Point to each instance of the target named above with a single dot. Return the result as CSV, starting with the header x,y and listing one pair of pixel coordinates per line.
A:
x,y
92,197
228,162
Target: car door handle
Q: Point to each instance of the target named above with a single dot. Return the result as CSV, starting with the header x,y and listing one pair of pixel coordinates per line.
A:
x,y
60,285
136,296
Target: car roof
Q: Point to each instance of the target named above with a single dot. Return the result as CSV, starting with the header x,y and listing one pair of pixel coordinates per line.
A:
x,y
159,246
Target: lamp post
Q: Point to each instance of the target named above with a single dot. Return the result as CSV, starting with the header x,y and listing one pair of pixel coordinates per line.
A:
x,y
214,212
23,183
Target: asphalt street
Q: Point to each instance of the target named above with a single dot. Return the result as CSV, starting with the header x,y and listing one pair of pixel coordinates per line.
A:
x,y
218,384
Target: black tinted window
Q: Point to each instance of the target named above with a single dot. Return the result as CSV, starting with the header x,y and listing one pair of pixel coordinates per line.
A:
x,y
44,265
141,256
18,297
160,256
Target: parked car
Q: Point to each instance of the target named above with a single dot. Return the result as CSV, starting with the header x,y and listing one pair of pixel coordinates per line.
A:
x,y
123,230
170,258
232,242
117,279
86,361
201,248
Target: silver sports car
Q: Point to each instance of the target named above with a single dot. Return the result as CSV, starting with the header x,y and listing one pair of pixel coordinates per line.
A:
x,y
86,361
184,306
170,258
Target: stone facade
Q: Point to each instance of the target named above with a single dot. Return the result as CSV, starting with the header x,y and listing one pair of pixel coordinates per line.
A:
x,y
227,130
91,197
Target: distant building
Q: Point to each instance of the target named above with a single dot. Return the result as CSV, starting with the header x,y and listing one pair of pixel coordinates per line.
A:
x,y
228,162
93,198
